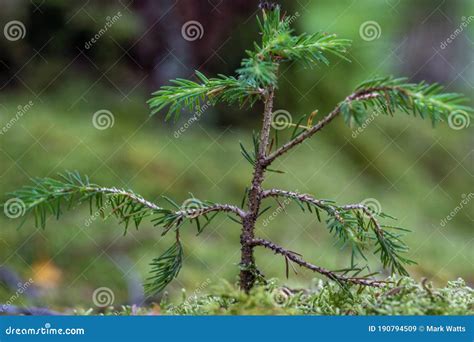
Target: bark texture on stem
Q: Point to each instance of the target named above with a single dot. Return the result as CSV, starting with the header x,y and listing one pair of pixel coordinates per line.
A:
x,y
298,260
247,262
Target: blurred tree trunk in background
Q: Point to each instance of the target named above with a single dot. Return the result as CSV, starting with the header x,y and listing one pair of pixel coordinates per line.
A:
x,y
425,24
165,53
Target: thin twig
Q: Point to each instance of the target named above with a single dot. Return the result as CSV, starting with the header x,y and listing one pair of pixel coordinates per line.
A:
x,y
331,275
213,208
360,95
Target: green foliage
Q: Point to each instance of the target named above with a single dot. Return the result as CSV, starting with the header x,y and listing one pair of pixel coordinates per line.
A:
x,y
165,268
358,228
279,44
258,70
385,95
353,225
48,197
186,94
400,297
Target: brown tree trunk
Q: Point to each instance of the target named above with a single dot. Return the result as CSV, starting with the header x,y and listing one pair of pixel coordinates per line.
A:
x,y
247,262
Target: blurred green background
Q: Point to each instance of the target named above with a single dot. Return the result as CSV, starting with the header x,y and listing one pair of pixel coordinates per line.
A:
x,y
417,173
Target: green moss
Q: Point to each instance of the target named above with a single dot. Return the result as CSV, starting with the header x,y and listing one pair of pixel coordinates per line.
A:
x,y
403,296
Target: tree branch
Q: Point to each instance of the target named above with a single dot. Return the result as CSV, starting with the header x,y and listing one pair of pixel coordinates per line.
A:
x,y
359,95
304,198
330,274
213,208
121,192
